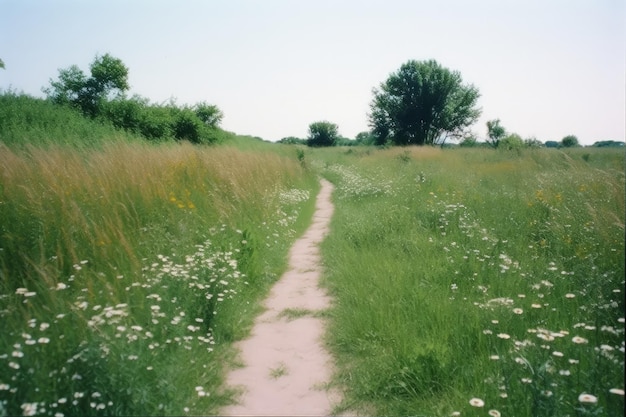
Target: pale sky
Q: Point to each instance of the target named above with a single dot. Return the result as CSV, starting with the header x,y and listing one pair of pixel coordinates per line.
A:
x,y
545,68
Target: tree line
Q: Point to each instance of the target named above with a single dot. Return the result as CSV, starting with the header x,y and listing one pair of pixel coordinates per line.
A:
x,y
102,94
424,103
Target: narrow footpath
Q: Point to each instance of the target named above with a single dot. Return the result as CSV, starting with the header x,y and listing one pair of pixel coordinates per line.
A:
x,y
286,368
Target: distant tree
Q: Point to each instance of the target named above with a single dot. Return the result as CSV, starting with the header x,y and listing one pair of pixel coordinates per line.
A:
x,y
468,142
292,140
365,138
322,134
511,142
533,142
420,103
569,141
495,132
608,144
109,78
1,64
552,144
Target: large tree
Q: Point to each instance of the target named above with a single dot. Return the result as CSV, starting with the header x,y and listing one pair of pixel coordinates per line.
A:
x,y
422,103
322,134
109,77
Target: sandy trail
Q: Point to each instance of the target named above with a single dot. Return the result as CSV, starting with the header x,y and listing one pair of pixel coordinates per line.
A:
x,y
286,368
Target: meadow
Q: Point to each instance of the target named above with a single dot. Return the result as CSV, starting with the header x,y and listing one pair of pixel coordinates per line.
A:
x,y
477,282
127,268
467,282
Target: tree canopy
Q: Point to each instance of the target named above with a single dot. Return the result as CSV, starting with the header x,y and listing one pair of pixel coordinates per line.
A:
x,y
495,132
422,103
109,77
322,134
569,141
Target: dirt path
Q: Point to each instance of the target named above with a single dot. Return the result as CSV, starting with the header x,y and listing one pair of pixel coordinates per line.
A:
x,y
286,368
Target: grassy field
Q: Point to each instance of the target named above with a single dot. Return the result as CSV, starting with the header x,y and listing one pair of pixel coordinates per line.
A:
x,y
476,282
466,281
127,269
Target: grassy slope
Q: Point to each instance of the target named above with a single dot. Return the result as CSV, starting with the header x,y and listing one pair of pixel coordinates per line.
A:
x,y
127,269
433,254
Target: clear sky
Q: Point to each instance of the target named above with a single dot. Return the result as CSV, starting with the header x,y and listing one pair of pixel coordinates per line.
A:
x,y
545,68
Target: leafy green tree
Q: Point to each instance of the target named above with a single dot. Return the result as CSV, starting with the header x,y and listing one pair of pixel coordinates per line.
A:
x,y
569,141
511,142
209,114
495,132
421,103
109,78
322,134
1,64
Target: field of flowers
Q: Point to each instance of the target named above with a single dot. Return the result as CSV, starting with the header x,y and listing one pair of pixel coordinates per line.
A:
x,y
127,271
478,283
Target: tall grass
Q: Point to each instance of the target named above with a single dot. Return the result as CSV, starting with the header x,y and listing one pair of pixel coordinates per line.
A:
x,y
127,269
476,282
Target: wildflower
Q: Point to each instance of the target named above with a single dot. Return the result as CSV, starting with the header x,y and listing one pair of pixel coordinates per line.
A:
x,y
535,305
494,357
14,365
565,372
477,402
526,380
570,295
4,387
494,413
61,286
579,340
557,353
573,361
518,311
29,409
43,340
617,391
503,336
587,398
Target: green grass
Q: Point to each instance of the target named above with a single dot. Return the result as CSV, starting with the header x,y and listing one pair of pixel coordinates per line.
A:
x,y
127,269
461,274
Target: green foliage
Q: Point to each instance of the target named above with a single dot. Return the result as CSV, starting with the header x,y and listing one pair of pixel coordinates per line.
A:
x,y
511,142
421,103
322,134
209,114
569,141
552,144
495,132
365,138
292,140
102,96
109,78
533,143
1,64
608,144
468,142
27,121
